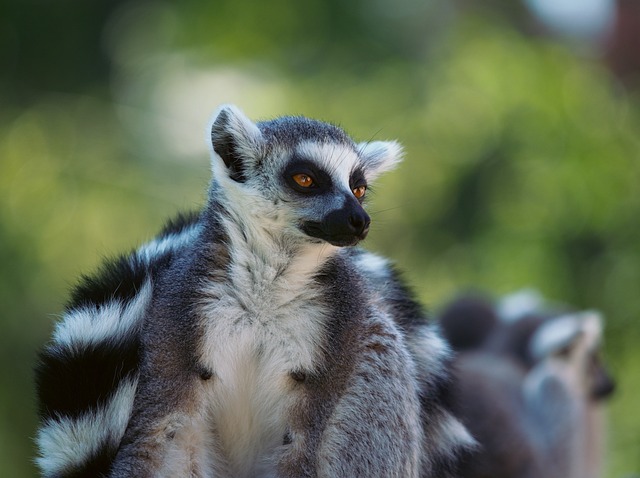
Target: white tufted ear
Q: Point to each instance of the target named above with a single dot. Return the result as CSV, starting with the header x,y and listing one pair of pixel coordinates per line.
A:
x,y
560,333
236,140
520,304
563,333
379,157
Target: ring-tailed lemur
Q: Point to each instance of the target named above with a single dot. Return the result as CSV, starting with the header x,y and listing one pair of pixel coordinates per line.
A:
x,y
251,340
530,388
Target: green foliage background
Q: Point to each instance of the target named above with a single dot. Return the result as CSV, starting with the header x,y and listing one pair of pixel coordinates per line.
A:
x,y
521,162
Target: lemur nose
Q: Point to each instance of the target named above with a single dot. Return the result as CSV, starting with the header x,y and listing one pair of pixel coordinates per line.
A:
x,y
359,222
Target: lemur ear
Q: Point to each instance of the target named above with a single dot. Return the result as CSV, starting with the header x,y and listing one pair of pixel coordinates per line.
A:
x,y
558,334
236,140
379,157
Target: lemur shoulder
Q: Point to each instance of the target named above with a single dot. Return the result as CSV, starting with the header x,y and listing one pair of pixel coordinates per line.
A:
x,y
253,339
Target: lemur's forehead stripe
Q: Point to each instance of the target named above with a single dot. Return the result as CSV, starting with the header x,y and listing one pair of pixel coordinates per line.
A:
x,y
291,130
339,160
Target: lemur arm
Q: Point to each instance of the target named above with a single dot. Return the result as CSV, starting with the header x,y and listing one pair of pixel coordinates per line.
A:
x,y
374,428
159,413
168,403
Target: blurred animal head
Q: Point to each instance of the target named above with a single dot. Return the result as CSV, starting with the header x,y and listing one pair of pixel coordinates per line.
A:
x,y
569,345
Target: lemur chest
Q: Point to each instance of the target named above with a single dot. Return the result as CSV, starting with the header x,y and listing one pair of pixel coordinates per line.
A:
x,y
252,345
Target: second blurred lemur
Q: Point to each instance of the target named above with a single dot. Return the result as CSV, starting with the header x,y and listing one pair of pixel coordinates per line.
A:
x,y
529,387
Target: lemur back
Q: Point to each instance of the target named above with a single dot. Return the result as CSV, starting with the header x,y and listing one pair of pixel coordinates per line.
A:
x,y
253,339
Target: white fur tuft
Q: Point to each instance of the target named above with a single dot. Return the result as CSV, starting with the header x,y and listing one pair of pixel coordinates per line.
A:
x,y
373,265
172,242
564,331
380,157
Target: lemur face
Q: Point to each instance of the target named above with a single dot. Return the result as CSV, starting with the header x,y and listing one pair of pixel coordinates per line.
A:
x,y
327,197
572,341
299,177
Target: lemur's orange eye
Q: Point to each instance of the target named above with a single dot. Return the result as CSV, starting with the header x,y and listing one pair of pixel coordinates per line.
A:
x,y
303,180
359,191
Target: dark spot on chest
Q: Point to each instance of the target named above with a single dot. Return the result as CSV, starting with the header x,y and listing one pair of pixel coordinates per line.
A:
x,y
298,375
203,372
377,347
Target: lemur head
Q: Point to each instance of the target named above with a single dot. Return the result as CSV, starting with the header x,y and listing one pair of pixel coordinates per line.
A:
x,y
294,177
569,344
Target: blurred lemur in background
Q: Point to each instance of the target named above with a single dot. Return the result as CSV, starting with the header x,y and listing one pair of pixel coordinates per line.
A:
x,y
252,339
529,385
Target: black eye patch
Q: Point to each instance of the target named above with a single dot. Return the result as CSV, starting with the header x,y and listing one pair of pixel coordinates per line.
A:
x,y
357,179
321,179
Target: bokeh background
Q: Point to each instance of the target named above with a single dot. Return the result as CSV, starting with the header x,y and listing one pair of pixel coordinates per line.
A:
x,y
520,119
